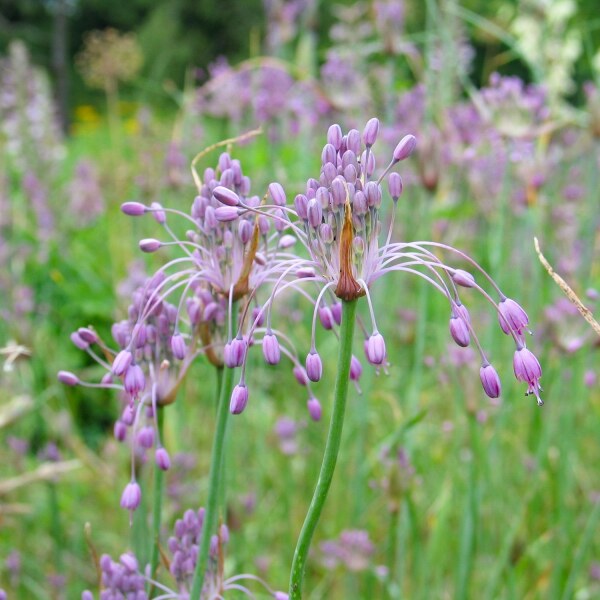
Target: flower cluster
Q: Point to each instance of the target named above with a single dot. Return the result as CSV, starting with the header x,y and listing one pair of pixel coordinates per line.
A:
x,y
353,550
124,579
338,221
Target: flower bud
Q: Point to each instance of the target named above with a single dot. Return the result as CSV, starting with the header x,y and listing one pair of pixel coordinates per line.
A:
x,y
355,369
162,459
145,437
271,349
120,431
133,209
178,346
314,366
233,354
68,378
375,349
121,362
329,154
277,194
300,375
334,136
314,408
370,132
395,186
87,335
490,380
459,331
134,380
226,213
512,317
158,213
463,278
326,317
404,148
132,496
149,245
79,341
239,399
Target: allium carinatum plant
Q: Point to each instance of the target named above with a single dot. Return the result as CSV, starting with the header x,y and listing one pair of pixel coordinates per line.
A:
x,y
239,254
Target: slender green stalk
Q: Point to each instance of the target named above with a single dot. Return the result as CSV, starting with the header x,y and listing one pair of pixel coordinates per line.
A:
x,y
214,483
157,501
331,450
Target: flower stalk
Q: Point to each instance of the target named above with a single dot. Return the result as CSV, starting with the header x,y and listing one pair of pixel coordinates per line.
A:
x,y
215,485
159,476
332,447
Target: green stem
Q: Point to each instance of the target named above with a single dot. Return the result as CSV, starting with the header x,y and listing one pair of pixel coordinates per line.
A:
x,y
331,450
214,484
157,501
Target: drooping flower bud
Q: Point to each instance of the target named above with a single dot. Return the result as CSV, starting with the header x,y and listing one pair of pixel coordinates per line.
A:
x,y
271,349
134,380
459,331
239,399
375,349
145,437
233,355
132,496
463,278
528,369
314,366
355,369
162,459
490,380
314,408
512,317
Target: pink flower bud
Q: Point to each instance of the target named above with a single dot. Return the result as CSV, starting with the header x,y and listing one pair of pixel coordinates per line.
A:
x,y
463,278
162,459
149,245
459,331
277,194
226,213
370,132
271,349
133,209
314,408
395,186
132,496
239,399
314,366
404,148
158,213
68,378
226,196
375,349
178,346
490,381
87,335
121,362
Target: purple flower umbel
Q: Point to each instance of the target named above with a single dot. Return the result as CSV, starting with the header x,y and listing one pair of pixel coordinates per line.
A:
x,y
337,221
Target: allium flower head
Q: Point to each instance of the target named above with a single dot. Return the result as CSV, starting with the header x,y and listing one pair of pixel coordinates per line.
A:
x,y
338,222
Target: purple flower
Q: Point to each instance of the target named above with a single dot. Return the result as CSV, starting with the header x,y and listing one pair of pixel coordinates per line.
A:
x,y
528,369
